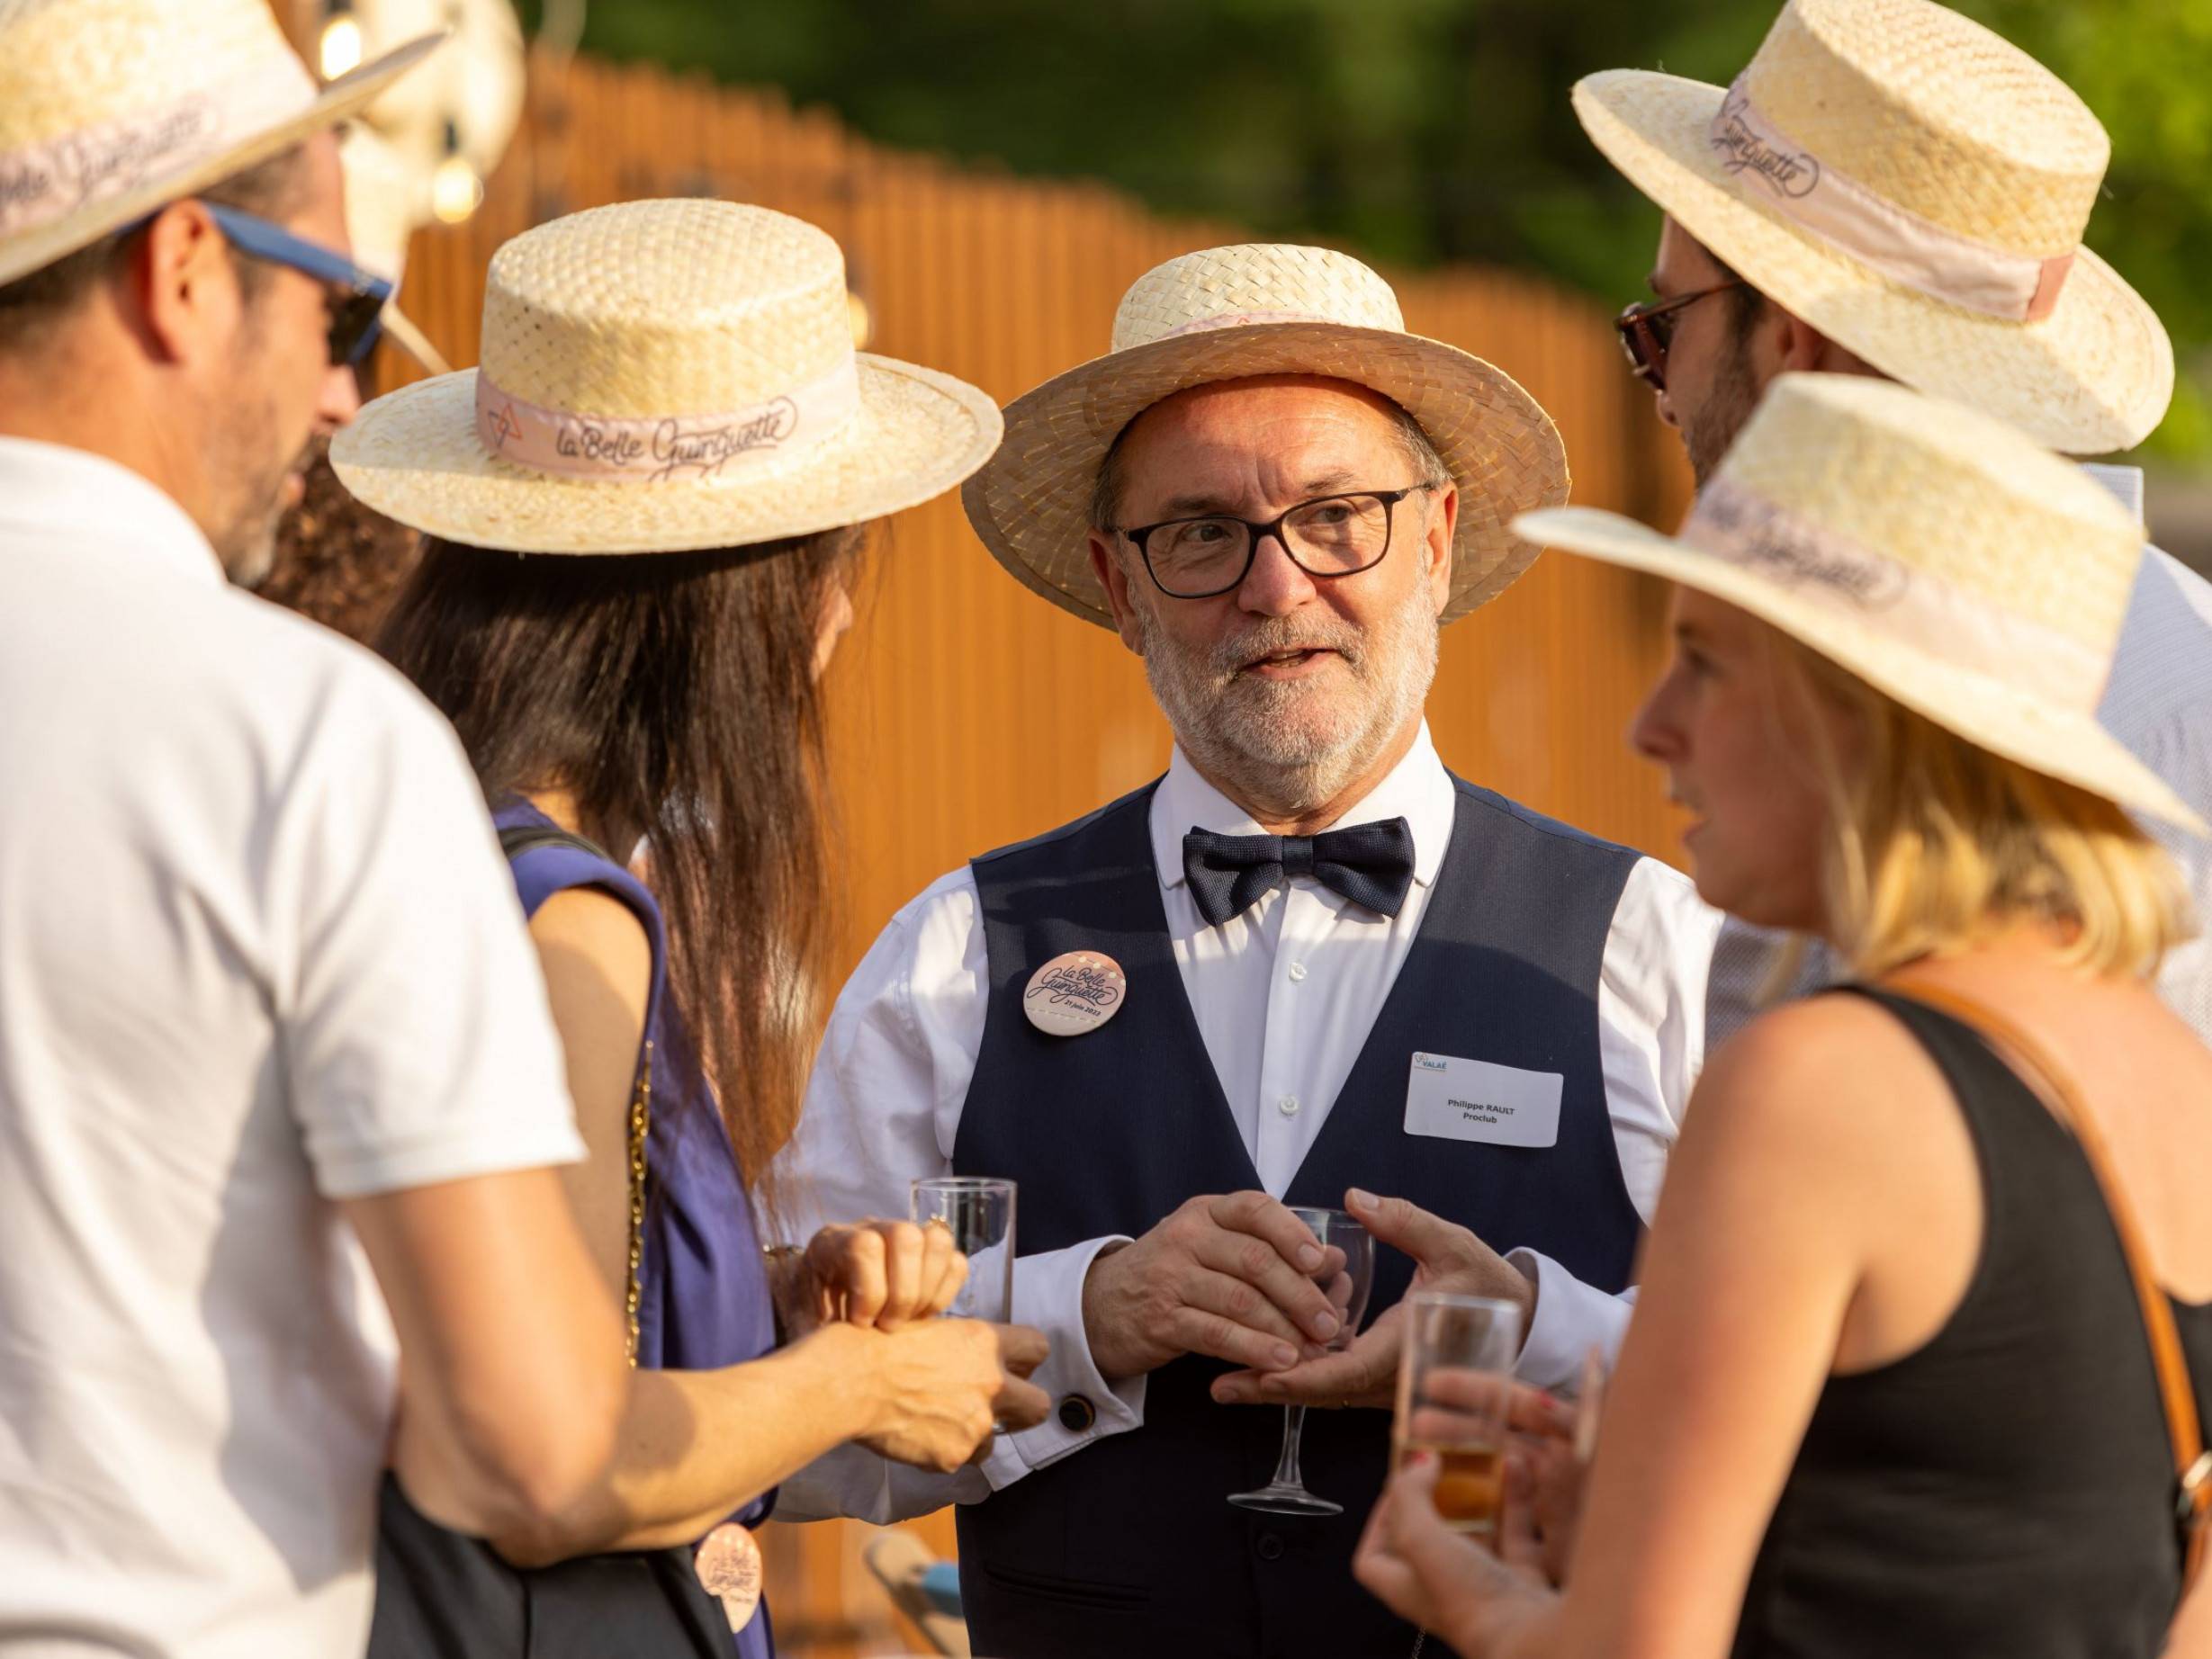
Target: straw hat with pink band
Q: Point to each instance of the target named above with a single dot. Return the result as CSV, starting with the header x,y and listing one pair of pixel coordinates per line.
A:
x,y
1933,552
660,376
1916,189
112,109
1228,313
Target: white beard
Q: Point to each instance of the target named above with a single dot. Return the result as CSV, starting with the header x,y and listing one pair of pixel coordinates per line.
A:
x,y
1293,746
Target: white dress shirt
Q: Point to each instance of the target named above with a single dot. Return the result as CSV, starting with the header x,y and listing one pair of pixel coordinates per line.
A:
x,y
258,952
1284,996
2158,703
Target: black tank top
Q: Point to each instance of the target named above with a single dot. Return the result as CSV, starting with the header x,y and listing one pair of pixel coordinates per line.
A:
x,y
2007,1489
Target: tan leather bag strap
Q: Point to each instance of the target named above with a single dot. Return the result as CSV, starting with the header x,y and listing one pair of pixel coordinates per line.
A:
x,y
2192,1463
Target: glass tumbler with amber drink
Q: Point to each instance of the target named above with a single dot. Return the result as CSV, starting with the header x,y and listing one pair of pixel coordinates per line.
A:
x,y
1455,1389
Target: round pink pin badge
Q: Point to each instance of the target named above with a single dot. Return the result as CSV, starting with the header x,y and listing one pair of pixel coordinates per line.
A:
x,y
728,1563
1074,993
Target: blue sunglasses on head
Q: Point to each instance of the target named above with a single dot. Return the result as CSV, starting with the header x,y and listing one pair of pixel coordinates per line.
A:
x,y
358,297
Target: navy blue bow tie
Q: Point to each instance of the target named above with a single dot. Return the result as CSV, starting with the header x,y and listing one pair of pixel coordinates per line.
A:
x,y
1372,865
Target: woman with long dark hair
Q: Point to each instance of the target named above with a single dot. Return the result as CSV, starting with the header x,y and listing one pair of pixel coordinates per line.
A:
x,y
645,513
1924,1348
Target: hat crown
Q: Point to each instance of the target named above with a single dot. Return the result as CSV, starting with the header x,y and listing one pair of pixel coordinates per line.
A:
x,y
1864,467
68,65
1252,282
651,309
1935,114
101,99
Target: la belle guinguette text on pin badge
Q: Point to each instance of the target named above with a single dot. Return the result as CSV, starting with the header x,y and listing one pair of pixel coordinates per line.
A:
x,y
1074,993
728,1563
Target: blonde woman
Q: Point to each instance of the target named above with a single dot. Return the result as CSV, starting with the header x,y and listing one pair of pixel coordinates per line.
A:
x,y
1888,1389
644,512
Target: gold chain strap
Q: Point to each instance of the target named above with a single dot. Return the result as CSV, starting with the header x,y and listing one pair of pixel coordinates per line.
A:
x,y
640,1120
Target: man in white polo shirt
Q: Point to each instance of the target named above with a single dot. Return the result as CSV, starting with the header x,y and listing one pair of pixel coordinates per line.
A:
x,y
265,995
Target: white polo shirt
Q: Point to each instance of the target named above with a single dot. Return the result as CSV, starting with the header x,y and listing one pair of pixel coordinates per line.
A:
x,y
258,952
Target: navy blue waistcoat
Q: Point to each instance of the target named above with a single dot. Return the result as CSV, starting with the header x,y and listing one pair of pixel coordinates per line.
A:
x,y
1127,1548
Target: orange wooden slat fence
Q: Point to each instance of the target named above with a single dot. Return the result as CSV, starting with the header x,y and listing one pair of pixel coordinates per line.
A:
x,y
968,713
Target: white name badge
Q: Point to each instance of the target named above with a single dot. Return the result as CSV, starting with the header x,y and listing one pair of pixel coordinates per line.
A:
x,y
1473,1101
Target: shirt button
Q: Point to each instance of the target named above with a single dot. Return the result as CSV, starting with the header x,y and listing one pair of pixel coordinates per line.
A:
x,y
1287,1105
1268,1547
1297,972
1076,1414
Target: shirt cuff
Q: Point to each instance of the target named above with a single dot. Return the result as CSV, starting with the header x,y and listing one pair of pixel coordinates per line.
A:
x,y
854,1484
1572,1318
1049,1294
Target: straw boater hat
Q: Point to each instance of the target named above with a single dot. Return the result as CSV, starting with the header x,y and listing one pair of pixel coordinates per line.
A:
x,y
660,376
1916,189
1230,312
1932,551
112,109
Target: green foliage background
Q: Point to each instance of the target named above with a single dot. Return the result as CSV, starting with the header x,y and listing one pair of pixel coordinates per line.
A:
x,y
1419,130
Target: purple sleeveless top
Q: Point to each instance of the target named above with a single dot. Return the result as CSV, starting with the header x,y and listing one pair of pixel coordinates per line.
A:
x,y
703,1292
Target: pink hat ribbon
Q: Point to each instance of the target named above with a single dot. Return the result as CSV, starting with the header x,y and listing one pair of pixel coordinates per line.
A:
x,y
1838,574
42,183
659,449
1838,209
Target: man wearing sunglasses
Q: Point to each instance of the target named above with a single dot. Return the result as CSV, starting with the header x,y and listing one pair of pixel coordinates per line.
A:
x,y
1776,255
1307,960
269,1020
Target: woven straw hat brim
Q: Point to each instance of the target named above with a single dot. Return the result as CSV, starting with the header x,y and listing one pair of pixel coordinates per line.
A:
x,y
342,98
1031,503
2094,377
2038,733
414,455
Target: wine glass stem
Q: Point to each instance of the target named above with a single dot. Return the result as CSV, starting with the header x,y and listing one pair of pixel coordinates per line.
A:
x,y
1293,1429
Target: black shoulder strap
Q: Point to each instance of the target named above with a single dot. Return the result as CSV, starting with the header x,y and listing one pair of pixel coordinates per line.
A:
x,y
519,839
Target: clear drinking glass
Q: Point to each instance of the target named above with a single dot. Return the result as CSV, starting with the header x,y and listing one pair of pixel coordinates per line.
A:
x,y
1455,1387
1346,1284
979,1213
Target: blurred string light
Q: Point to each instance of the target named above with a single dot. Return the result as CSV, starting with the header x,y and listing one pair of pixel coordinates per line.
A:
x,y
338,50
451,123
455,191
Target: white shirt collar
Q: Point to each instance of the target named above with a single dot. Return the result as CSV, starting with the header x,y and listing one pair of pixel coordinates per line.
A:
x,y
1418,789
71,498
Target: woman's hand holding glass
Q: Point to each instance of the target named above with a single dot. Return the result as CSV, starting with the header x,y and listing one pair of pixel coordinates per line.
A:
x,y
876,1273
1485,1605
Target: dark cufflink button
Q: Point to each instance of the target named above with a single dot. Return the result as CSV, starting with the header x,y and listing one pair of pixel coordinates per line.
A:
x,y
1268,1545
1077,1413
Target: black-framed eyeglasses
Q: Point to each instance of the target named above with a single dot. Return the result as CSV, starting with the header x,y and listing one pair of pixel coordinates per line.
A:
x,y
1328,536
1648,329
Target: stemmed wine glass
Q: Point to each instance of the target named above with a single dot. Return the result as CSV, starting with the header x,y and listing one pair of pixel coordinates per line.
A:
x,y
1346,1275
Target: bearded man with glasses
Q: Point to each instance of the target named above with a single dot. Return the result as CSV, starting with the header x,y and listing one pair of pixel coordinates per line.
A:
x,y
1306,961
